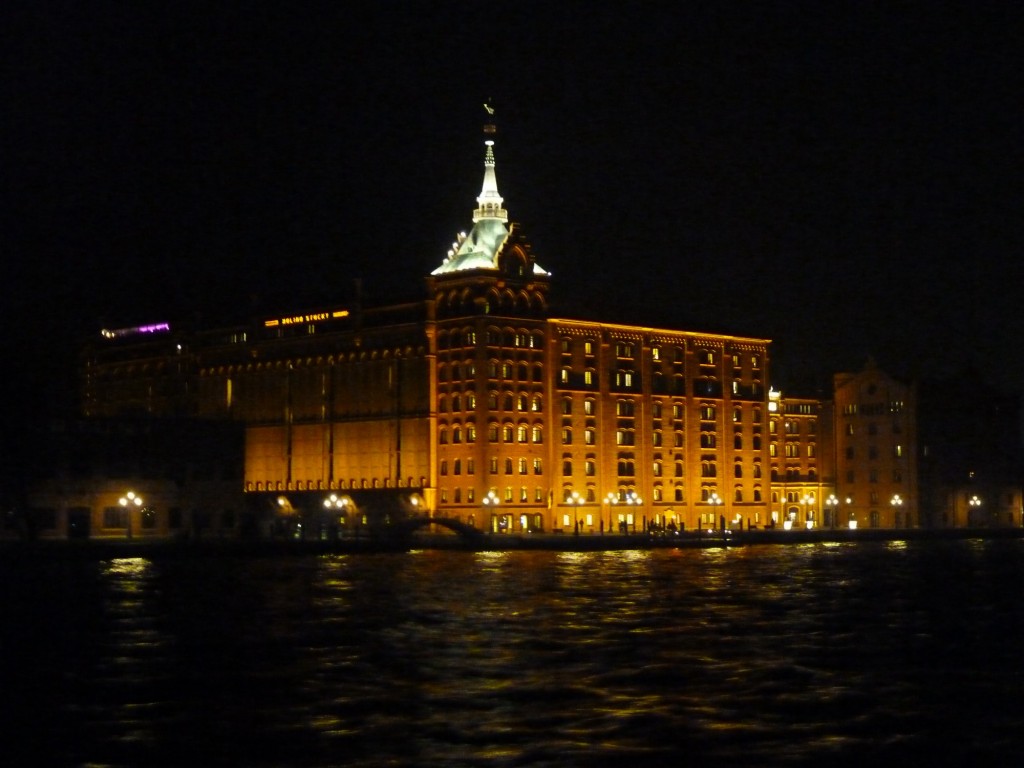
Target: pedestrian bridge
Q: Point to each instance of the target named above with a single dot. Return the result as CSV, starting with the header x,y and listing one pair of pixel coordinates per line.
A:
x,y
464,530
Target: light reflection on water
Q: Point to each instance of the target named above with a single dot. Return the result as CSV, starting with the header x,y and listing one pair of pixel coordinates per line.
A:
x,y
769,655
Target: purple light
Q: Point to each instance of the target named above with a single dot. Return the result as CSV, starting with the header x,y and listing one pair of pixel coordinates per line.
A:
x,y
122,332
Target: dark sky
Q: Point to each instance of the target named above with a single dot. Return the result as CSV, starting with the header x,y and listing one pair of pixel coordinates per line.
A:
x,y
844,178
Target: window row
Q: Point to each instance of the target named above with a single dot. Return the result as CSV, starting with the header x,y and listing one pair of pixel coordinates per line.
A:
x,y
507,401
519,339
508,495
524,465
506,433
898,452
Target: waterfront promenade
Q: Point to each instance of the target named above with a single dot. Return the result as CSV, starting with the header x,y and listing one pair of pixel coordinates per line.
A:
x,y
484,542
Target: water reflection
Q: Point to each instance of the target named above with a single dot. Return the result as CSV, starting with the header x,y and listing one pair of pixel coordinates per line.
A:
x,y
737,656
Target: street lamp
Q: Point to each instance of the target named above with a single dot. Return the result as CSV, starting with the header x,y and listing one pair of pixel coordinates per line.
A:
x,y
575,501
633,499
715,500
833,505
492,500
807,500
975,503
129,500
897,502
339,505
852,522
611,500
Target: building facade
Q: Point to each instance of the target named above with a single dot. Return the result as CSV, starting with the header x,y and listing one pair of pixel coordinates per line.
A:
x,y
876,449
135,479
476,403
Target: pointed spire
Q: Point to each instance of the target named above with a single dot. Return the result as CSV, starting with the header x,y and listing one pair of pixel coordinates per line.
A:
x,y
489,202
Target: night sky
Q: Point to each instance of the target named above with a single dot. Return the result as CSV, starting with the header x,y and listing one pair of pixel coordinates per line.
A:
x,y
843,178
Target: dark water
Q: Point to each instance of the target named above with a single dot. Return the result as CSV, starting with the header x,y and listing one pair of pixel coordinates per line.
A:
x,y
846,654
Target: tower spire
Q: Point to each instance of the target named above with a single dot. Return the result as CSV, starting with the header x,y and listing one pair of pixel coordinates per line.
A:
x,y
489,202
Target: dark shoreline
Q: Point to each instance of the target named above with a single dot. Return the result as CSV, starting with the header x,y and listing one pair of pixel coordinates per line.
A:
x,y
109,549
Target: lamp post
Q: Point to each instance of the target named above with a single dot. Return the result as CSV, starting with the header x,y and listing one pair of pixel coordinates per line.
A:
x,y
633,499
975,506
807,500
715,501
492,500
129,500
611,499
897,502
833,506
339,505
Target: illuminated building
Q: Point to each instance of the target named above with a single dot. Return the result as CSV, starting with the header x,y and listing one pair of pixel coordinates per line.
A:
x,y
477,403
800,451
876,449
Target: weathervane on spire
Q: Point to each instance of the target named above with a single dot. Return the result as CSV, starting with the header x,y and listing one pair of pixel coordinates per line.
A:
x,y
489,126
